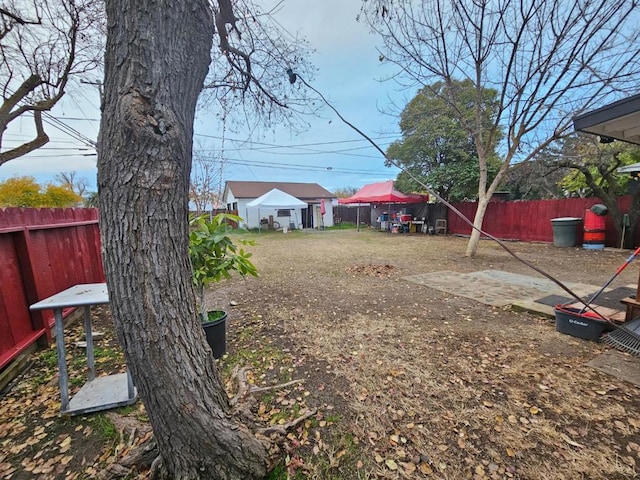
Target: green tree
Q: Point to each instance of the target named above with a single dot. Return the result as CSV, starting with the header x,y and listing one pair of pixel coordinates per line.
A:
x,y
26,192
595,173
547,60
91,200
435,149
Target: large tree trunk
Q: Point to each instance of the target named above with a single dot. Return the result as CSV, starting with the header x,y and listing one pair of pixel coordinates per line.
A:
x,y
156,60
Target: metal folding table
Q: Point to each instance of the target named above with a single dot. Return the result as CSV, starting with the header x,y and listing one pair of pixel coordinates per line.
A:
x,y
98,393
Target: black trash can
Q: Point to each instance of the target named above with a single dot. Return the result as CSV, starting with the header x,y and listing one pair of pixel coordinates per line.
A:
x,y
564,231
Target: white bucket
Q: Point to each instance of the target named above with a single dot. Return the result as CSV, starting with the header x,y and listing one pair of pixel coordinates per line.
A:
x,y
285,229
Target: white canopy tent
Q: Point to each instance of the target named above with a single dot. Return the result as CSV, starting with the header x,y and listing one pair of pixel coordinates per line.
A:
x,y
277,200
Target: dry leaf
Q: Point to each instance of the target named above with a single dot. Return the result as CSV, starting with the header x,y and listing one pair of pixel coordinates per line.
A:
x,y
408,467
391,464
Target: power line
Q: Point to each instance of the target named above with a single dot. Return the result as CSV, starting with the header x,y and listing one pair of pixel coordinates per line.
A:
x,y
72,132
59,155
63,127
295,166
294,145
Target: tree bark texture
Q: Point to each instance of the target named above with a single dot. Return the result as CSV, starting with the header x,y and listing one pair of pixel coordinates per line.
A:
x,y
474,239
156,60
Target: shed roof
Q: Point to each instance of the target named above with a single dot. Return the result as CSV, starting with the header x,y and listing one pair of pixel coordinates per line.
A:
x,y
277,199
303,191
619,120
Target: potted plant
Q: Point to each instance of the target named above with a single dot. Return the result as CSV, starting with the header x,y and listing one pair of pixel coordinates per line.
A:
x,y
213,257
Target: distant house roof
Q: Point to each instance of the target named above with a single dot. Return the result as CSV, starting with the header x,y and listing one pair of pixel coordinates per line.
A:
x,y
619,120
303,191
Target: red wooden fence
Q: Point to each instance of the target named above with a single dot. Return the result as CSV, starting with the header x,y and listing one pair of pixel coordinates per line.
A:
x,y
531,220
42,252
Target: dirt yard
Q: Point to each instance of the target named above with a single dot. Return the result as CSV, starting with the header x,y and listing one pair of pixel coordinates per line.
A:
x,y
408,381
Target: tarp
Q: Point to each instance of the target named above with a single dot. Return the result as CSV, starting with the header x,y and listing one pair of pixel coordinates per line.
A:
x,y
277,199
382,192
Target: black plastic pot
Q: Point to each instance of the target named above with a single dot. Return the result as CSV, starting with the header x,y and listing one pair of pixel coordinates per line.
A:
x,y
216,332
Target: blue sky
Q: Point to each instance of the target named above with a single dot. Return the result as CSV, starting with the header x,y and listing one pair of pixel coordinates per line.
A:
x,y
328,152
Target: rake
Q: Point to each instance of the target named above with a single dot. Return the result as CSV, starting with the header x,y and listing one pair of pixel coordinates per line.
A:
x,y
625,337
618,271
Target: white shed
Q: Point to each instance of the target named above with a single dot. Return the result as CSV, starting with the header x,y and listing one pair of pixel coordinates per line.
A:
x,y
237,194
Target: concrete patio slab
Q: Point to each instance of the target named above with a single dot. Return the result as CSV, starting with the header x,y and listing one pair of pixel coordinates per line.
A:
x,y
500,289
620,365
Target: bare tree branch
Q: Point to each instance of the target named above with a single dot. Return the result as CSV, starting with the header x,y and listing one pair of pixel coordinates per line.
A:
x,y
39,58
41,139
247,75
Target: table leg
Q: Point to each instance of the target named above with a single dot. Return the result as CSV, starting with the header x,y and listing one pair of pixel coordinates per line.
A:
x,y
63,378
89,341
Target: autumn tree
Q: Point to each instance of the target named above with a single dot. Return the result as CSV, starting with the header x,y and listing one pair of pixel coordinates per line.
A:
x,y
547,60
151,87
26,192
435,148
44,46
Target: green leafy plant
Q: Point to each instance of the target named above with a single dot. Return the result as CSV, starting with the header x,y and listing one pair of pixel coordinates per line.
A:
x,y
214,255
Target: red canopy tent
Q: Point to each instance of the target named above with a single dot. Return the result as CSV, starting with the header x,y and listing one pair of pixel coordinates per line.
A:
x,y
381,192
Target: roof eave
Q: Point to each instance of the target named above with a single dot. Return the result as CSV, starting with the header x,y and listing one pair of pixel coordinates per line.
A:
x,y
619,120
